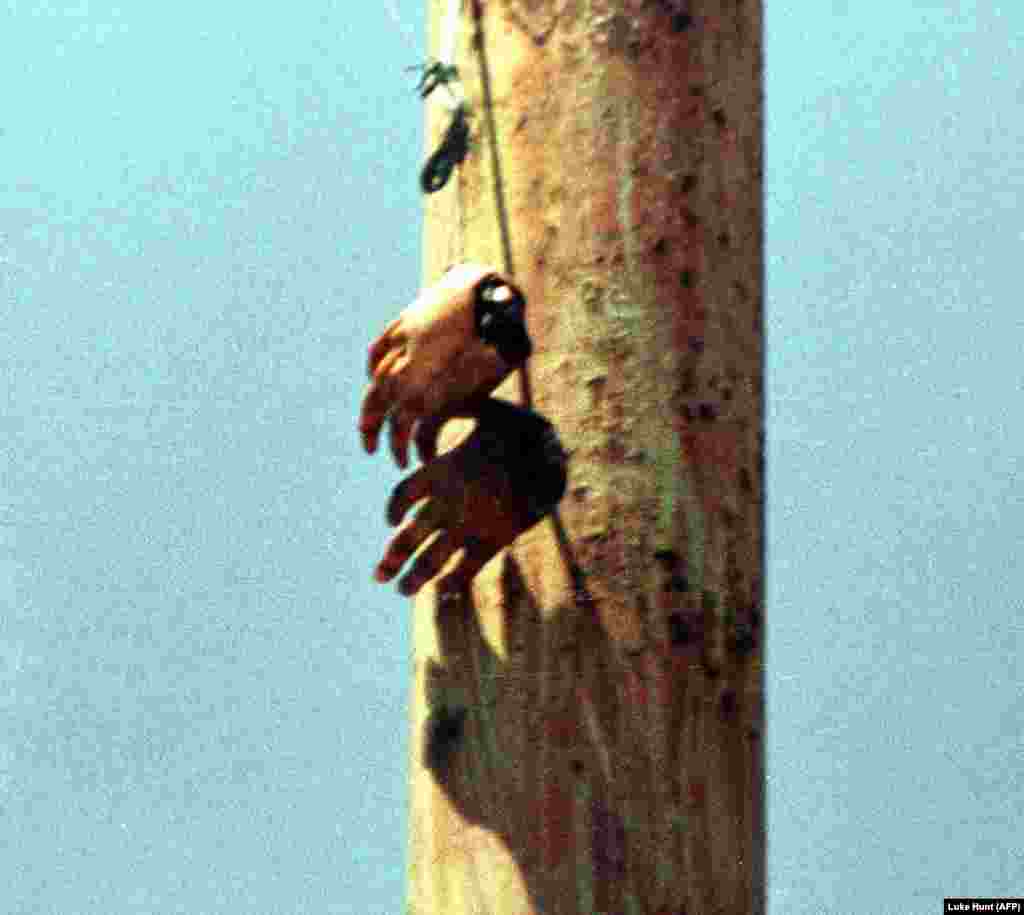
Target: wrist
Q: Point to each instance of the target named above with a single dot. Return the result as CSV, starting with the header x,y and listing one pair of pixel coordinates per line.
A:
x,y
500,318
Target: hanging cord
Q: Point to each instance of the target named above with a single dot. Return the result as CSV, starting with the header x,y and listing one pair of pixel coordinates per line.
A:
x,y
499,182
576,574
492,130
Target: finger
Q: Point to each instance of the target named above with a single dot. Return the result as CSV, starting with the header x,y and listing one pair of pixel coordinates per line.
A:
x,y
386,366
384,386
376,403
379,348
406,542
406,494
427,430
401,431
524,446
476,554
428,564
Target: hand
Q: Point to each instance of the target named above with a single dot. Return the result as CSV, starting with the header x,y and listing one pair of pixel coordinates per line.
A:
x,y
497,483
458,341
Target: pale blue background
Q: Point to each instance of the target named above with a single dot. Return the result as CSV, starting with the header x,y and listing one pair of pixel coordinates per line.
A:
x,y
207,210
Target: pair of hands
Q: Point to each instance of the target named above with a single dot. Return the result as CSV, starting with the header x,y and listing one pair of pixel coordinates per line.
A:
x,y
441,359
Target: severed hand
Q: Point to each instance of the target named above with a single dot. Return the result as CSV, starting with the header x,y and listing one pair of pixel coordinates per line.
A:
x,y
479,497
458,341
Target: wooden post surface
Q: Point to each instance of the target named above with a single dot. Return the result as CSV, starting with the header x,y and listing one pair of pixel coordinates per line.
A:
x,y
587,728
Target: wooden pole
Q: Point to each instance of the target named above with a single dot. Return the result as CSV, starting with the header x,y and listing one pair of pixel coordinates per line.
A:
x,y
587,730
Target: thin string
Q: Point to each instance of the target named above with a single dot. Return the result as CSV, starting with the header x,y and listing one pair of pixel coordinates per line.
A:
x,y
576,574
492,129
525,389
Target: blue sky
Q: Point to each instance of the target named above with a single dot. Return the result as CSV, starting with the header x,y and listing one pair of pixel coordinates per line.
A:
x,y
206,212
896,506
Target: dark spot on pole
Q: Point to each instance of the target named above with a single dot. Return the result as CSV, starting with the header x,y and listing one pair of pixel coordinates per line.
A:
x,y
679,630
443,733
733,575
724,239
690,218
718,116
742,641
728,704
708,413
745,480
666,555
689,183
688,384
577,767
681,22
608,842
686,279
678,583
660,246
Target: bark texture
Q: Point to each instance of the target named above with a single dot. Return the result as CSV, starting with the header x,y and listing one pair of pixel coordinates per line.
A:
x,y
587,728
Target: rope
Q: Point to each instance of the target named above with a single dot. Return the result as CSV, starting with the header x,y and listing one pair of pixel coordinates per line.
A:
x,y
565,548
492,130
525,389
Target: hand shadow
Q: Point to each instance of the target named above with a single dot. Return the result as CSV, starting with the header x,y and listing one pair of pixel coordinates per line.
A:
x,y
476,498
555,748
